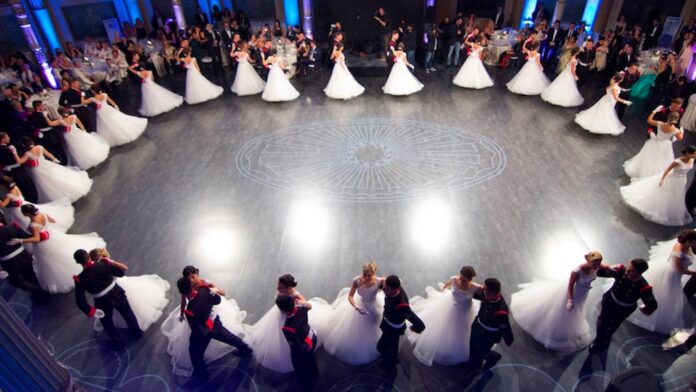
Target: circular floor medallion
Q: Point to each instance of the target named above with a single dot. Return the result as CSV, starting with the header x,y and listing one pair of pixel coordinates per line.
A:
x,y
370,159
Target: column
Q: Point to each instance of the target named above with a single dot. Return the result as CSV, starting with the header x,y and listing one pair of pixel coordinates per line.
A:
x,y
292,12
558,11
527,10
307,19
179,14
33,43
614,14
133,8
26,363
46,22
590,12
688,11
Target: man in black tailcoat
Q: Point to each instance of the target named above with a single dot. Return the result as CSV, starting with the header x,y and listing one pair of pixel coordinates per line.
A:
x,y
9,161
302,341
75,99
205,326
47,132
15,260
97,279
396,311
621,300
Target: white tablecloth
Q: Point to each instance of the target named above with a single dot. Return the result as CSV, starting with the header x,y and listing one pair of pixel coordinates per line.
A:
x,y
288,54
7,77
688,120
52,101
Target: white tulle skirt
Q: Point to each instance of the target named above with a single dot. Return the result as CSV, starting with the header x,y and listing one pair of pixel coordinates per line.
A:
x,y
342,84
118,128
563,91
278,87
178,334
61,210
85,150
247,81
673,309
445,339
530,80
540,309
157,99
401,81
473,74
660,204
652,159
147,296
271,349
198,88
601,118
54,181
352,337
53,259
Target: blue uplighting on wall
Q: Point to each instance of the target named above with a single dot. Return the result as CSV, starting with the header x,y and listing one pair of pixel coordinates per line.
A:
x,y
44,19
590,12
527,11
133,10
292,12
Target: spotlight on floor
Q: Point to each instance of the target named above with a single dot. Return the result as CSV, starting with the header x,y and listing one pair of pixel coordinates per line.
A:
x,y
431,225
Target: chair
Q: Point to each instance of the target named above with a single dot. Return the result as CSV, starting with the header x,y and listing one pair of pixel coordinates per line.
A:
x,y
315,67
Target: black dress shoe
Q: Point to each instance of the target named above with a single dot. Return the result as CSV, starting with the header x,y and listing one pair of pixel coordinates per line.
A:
x,y
492,359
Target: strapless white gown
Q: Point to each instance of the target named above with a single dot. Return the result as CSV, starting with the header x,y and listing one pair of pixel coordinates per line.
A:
x,y
278,87
401,81
530,80
157,99
563,91
653,158
601,118
448,316
342,84
198,88
54,181
118,128
85,150
247,81
60,210
473,73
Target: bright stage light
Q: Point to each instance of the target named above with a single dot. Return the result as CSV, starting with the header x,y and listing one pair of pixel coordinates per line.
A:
x,y
309,225
561,253
431,225
216,243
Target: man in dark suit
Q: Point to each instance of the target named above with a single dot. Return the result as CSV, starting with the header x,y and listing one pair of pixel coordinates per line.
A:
x,y
652,35
554,40
206,326
499,18
214,42
200,18
625,57
157,22
15,260
571,32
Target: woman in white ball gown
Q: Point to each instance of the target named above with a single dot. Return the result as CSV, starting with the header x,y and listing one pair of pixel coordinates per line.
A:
x,y
448,315
198,88
660,198
401,81
266,338
155,98
278,87
563,91
657,152
147,294
246,81
601,118
665,276
178,331
114,126
85,150
53,251
60,210
342,84
54,181
530,80
354,332
553,312
473,73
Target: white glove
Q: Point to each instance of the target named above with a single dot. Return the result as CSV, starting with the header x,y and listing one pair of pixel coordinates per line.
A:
x,y
653,136
657,109
570,305
99,314
628,103
4,274
361,310
14,241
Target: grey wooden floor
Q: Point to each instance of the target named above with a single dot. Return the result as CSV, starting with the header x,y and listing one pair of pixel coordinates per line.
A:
x,y
505,183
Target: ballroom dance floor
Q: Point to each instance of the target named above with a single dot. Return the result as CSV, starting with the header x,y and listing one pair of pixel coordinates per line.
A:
x,y
247,190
